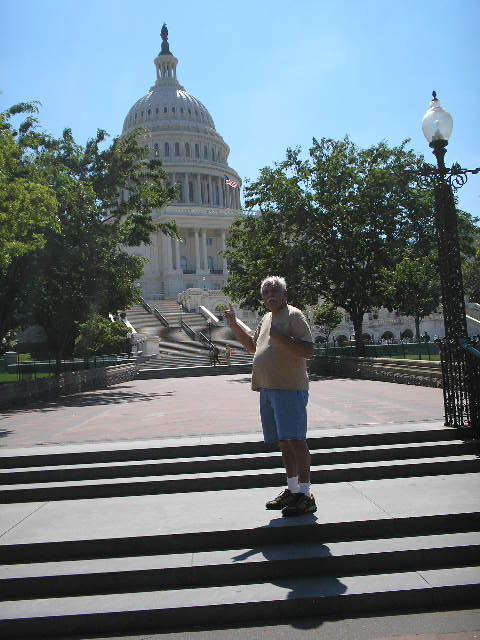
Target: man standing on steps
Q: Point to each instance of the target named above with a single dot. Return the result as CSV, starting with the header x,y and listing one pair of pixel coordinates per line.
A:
x,y
281,344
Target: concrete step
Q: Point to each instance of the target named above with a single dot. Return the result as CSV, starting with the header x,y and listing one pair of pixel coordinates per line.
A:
x,y
257,564
239,603
384,436
212,464
221,481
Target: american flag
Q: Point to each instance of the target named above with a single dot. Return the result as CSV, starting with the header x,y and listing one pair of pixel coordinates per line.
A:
x,y
231,183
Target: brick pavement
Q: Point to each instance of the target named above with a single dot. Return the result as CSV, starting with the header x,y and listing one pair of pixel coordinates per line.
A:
x,y
209,405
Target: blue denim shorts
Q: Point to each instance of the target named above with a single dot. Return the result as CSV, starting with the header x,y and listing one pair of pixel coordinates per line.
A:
x,y
283,414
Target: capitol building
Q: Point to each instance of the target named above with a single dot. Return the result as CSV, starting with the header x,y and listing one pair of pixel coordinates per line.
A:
x,y
181,133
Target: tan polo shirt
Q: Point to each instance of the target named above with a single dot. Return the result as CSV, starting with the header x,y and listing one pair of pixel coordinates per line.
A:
x,y
274,367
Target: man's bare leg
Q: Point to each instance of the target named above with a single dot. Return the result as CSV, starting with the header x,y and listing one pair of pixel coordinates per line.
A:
x,y
300,450
289,458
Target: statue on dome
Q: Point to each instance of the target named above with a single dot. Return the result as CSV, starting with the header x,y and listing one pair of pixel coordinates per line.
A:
x,y
165,48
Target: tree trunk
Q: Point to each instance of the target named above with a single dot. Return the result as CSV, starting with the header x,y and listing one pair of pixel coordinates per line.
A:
x,y
357,320
417,329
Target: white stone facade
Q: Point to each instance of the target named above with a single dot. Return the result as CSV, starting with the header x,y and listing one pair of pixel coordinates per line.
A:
x,y
182,134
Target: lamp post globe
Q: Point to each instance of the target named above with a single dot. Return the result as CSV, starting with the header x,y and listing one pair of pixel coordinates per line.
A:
x,y
437,124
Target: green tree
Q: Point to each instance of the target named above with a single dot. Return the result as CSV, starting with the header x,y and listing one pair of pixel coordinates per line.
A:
x,y
413,287
28,209
105,195
330,224
327,317
98,336
471,274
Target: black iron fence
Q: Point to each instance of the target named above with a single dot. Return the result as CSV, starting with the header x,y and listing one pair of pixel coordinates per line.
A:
x,y
407,350
33,370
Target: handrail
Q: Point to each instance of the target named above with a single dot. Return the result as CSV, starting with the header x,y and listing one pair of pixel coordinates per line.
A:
x,y
188,330
204,338
154,311
160,317
145,305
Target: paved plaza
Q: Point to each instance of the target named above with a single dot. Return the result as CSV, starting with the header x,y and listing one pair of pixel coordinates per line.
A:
x,y
178,407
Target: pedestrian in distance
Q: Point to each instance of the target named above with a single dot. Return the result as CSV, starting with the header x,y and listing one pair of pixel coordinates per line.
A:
x,y
281,346
215,355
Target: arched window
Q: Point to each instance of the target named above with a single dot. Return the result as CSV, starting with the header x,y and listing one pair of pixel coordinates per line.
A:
x,y
177,148
187,149
166,149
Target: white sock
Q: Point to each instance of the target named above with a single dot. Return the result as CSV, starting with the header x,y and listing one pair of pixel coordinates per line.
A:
x,y
304,487
292,484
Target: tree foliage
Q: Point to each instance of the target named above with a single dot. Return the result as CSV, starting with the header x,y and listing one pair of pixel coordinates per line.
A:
x,y
98,336
103,197
327,317
413,288
331,223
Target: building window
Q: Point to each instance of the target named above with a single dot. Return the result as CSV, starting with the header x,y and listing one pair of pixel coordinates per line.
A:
x,y
210,263
149,112
173,109
155,148
142,114
213,153
136,116
177,148
183,263
190,112
187,149
190,191
209,242
181,109
197,148
166,149
156,111
205,151
165,109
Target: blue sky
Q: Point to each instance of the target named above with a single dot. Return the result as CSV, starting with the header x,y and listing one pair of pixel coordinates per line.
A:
x,y
272,74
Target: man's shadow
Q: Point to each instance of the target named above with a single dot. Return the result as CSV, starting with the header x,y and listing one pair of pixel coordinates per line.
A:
x,y
304,569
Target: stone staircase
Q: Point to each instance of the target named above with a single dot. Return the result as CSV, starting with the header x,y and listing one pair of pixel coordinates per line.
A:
x,y
144,536
178,353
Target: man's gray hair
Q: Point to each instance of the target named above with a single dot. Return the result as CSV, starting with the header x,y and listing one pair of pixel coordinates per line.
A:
x,y
274,281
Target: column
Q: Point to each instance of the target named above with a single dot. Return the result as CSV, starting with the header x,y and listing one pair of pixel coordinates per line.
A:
x,y
168,253
186,195
204,249
197,252
210,190
221,201
199,189
177,254
224,261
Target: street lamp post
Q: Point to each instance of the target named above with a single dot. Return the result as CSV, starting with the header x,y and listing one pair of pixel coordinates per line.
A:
x,y
460,359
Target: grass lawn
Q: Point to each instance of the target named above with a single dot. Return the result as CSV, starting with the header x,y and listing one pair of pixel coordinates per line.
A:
x,y
13,377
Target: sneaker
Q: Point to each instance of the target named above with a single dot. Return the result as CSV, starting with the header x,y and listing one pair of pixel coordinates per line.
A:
x,y
281,501
299,505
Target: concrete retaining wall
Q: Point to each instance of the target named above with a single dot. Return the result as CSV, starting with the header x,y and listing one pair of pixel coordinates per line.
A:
x,y
20,393
416,372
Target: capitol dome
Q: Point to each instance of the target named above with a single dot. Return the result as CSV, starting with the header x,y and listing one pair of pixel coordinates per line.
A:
x,y
181,133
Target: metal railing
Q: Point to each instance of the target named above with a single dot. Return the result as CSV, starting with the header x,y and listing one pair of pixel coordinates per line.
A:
x,y
410,350
471,349
188,330
33,370
154,311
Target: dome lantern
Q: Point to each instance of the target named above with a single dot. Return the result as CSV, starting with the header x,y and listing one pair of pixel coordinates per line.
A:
x,y
165,62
